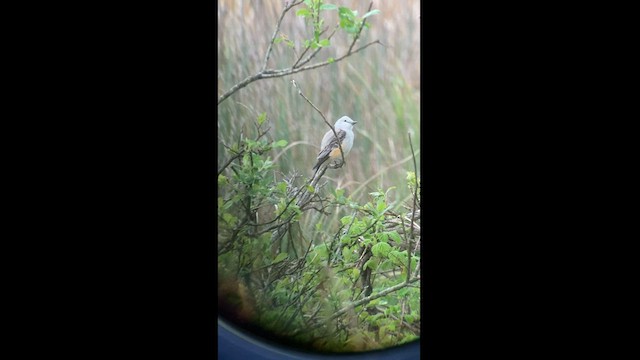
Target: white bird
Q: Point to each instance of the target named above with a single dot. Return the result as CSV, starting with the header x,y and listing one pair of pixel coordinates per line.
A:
x,y
329,148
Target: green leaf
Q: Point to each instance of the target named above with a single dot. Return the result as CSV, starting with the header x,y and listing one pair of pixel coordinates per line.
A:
x,y
303,12
398,257
345,14
261,118
324,42
280,257
411,177
395,237
280,143
381,249
278,40
229,219
328,7
322,251
311,189
331,60
346,253
222,180
369,264
372,12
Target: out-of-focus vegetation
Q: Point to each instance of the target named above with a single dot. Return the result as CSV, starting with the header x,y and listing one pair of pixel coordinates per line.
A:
x,y
379,87
366,201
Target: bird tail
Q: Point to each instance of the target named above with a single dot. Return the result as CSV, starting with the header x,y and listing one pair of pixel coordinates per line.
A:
x,y
320,162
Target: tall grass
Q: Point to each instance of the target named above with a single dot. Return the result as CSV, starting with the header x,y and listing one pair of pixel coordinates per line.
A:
x,y
379,87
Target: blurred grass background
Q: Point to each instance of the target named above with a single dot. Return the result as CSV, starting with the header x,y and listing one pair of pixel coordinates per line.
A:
x,y
379,87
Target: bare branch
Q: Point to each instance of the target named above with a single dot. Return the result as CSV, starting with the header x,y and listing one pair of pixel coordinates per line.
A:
x,y
359,30
284,72
275,33
229,162
248,80
323,118
366,300
415,191
314,53
265,73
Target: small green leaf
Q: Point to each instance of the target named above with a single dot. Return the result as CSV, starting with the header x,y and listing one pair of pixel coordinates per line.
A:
x,y
369,264
280,257
278,40
372,12
280,143
346,219
328,7
324,42
222,180
345,12
346,253
311,189
331,60
261,118
229,219
303,12
322,251
395,237
381,249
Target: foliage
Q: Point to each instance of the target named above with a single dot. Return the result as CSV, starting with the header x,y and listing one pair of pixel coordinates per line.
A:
x,y
325,296
344,280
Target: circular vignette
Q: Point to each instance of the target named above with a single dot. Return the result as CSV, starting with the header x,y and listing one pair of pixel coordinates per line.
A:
x,y
235,344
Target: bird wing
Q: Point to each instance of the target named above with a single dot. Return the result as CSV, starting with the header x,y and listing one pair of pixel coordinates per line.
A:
x,y
333,143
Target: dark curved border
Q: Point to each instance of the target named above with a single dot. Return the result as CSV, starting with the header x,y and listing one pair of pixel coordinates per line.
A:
x,y
233,344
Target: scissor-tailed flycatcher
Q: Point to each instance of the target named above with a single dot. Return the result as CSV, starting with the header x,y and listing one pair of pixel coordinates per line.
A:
x,y
329,148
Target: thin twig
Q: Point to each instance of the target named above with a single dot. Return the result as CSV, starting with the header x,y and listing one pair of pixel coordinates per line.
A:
x,y
323,118
415,191
275,33
229,162
359,30
315,52
366,300
404,234
277,73
267,74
